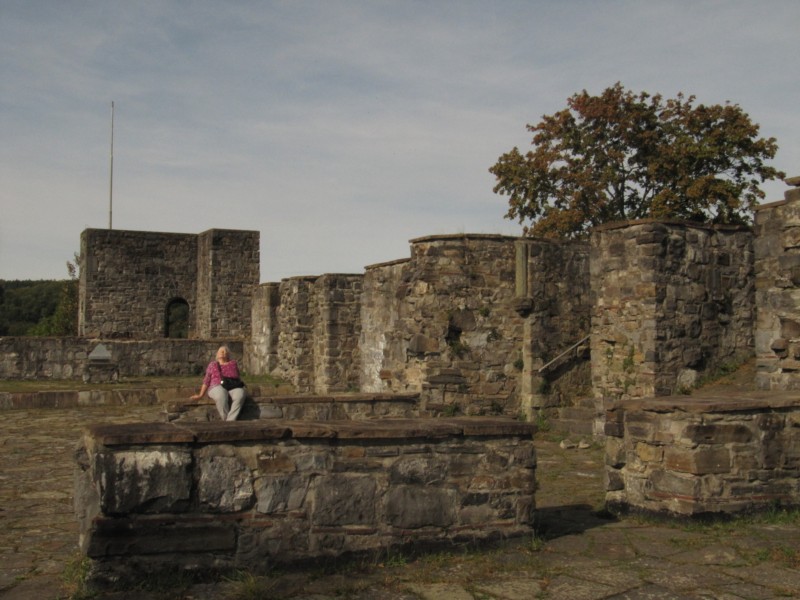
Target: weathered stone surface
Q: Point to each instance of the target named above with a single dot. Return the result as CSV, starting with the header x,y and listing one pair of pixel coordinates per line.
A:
x,y
149,481
127,291
129,537
224,485
293,497
711,454
345,500
412,507
280,494
718,434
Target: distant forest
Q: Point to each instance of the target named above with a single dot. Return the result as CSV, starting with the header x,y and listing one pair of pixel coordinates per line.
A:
x,y
43,307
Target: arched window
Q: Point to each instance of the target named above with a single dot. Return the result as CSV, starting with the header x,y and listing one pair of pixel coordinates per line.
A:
x,y
176,321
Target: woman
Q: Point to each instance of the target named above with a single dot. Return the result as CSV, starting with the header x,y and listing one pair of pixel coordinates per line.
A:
x,y
223,365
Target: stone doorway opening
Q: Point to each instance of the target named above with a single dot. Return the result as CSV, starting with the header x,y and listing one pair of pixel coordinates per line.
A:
x,y
176,319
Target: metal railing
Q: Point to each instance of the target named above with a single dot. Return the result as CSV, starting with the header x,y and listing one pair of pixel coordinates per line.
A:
x,y
564,353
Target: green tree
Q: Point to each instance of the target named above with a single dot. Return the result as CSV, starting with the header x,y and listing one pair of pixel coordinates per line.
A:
x,y
24,303
64,319
621,156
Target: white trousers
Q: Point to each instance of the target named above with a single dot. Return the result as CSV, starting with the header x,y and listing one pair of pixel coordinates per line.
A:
x,y
229,403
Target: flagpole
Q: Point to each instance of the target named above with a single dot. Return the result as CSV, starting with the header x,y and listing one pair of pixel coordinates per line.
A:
x,y
111,175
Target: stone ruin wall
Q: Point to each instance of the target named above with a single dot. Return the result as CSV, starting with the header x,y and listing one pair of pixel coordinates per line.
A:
x,y
672,302
692,456
128,278
777,284
553,297
68,357
481,323
448,326
228,272
199,496
442,322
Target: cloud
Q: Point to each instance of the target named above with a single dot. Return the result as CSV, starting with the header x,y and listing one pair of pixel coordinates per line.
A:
x,y
340,130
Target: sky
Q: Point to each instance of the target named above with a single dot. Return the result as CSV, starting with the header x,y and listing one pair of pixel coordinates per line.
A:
x,y
339,130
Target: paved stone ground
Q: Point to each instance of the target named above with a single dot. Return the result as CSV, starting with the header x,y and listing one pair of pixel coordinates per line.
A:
x,y
574,555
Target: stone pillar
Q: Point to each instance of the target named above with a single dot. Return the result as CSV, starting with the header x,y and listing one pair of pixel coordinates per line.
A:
x,y
777,282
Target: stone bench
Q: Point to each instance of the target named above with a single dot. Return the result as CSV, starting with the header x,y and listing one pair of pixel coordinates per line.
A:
x,y
252,494
692,455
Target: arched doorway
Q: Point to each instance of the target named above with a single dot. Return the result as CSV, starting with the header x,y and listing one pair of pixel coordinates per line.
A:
x,y
176,319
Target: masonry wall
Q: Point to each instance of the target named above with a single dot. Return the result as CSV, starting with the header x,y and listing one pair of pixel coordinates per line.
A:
x,y
315,324
128,278
262,347
228,273
777,281
444,323
692,456
337,327
553,296
673,301
67,357
196,496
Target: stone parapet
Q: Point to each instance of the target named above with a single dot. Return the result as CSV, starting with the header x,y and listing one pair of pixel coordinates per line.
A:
x,y
697,455
253,494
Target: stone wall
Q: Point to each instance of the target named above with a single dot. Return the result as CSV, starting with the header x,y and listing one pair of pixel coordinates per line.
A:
x,y
314,325
250,495
444,323
129,278
553,296
777,277
228,273
337,328
691,456
672,301
262,347
67,357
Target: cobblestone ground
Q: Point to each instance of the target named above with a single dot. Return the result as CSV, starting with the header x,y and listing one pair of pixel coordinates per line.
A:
x,y
574,555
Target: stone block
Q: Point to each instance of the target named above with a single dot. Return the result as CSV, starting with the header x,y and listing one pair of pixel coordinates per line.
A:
x,y
281,494
412,470
345,500
673,484
718,433
224,484
127,537
613,480
144,481
412,507
649,453
698,461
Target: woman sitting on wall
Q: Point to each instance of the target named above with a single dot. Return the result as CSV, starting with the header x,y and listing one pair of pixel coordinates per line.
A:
x,y
229,401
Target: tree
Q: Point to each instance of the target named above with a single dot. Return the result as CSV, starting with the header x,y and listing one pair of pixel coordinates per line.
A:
x,y
621,156
64,319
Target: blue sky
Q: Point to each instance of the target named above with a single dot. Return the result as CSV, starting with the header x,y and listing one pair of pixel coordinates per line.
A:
x,y
338,129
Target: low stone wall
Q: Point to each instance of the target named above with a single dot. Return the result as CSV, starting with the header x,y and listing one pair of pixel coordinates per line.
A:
x,y
311,408
252,494
68,357
691,456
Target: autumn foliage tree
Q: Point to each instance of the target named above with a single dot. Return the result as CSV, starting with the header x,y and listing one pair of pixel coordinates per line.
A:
x,y
621,156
